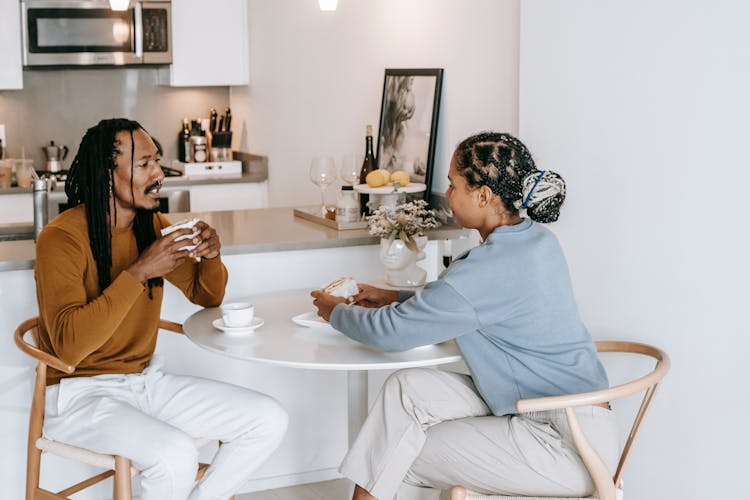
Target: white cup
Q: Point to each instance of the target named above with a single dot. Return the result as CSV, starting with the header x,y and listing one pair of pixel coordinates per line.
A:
x,y
189,223
235,314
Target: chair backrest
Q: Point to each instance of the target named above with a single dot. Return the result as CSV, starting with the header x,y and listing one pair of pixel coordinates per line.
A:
x,y
649,382
36,414
44,359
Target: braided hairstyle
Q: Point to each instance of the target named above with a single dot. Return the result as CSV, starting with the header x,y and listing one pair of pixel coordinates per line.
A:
x,y
504,164
91,182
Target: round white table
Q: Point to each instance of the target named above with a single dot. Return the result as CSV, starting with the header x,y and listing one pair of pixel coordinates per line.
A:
x,y
280,341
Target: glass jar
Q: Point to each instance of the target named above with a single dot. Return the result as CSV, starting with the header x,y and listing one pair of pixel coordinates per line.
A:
x,y
347,205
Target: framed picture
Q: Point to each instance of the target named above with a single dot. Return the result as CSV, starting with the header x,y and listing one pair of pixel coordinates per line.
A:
x,y
408,123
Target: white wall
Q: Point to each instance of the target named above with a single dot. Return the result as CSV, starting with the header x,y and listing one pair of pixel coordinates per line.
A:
x,y
642,106
316,78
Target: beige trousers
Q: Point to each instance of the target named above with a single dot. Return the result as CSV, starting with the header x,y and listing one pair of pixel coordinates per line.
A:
x,y
431,428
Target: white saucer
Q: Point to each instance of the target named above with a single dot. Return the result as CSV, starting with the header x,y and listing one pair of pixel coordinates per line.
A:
x,y
257,322
312,320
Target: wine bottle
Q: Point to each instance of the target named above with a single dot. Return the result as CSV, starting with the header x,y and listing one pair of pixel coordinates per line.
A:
x,y
368,165
183,142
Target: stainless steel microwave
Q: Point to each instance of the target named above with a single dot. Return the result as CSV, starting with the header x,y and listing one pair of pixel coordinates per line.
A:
x,y
89,33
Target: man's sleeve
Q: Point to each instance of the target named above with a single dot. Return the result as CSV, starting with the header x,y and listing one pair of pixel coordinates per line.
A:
x,y
76,327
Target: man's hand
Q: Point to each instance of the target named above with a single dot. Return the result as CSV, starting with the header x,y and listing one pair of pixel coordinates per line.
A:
x,y
208,242
370,296
161,257
325,303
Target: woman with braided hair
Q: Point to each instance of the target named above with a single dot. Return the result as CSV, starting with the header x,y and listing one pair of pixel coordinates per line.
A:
x,y
99,272
509,305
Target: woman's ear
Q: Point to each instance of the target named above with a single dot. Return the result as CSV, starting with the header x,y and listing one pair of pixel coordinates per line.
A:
x,y
484,196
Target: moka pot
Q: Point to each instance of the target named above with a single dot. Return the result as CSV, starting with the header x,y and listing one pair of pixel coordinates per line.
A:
x,y
55,156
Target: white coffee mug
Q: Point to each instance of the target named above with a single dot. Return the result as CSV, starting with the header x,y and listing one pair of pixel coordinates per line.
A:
x,y
235,314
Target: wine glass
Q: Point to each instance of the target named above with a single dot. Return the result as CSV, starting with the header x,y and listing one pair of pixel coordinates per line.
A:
x,y
323,174
349,171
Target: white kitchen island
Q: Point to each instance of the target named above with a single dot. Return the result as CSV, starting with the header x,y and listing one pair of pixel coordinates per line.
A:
x,y
266,250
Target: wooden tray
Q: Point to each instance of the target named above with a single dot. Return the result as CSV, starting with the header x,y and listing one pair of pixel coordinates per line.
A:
x,y
313,214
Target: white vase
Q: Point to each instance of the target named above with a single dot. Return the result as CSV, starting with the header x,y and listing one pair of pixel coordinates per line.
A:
x,y
400,262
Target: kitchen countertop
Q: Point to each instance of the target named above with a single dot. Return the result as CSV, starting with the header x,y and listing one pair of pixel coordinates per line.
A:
x,y
176,181
248,231
254,169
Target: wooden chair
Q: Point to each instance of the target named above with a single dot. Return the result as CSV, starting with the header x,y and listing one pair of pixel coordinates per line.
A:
x,y
116,465
607,487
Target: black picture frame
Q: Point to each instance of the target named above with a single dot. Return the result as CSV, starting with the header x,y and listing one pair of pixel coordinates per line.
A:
x,y
409,113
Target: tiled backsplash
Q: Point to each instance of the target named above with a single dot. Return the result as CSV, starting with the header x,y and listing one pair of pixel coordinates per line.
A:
x,y
60,105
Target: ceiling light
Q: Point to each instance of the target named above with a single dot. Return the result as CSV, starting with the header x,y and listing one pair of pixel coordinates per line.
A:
x,y
119,4
325,4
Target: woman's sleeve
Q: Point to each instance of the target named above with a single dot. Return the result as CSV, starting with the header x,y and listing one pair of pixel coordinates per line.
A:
x,y
435,314
76,327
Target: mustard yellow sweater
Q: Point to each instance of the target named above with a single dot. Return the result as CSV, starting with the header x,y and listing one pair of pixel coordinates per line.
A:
x,y
113,331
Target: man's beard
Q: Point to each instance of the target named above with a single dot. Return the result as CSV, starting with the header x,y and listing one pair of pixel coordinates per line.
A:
x,y
146,191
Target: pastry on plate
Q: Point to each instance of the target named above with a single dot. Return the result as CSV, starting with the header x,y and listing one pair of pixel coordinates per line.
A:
x,y
342,287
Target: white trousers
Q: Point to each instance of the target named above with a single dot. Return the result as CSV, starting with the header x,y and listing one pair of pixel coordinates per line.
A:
x,y
152,418
430,428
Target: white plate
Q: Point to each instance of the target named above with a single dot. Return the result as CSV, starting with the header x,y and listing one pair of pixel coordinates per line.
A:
x,y
312,320
412,187
256,323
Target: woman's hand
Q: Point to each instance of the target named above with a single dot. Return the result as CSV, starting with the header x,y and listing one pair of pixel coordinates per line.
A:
x,y
325,303
161,257
208,242
370,296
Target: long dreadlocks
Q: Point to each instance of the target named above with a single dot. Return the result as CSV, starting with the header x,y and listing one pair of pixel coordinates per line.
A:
x,y
91,181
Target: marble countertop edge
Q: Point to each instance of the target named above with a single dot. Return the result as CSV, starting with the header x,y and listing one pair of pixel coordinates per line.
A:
x,y
247,232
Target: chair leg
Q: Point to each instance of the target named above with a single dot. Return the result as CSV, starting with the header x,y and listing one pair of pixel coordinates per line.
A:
x,y
122,489
36,422
32,471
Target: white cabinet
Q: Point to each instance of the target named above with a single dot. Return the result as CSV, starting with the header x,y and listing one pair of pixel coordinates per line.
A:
x,y
11,67
16,208
238,196
209,44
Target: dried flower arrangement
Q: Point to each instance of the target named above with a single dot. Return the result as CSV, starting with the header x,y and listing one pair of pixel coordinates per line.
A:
x,y
405,221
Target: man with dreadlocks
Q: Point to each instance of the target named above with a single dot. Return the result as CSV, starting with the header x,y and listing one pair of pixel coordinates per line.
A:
x,y
100,270
509,305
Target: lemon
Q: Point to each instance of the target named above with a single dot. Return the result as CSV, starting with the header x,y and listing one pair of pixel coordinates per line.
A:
x,y
374,179
386,175
401,177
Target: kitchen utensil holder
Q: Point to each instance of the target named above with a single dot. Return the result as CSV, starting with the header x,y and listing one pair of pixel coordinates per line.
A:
x,y
221,139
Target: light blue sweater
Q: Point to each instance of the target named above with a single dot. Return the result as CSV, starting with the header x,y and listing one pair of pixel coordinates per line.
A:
x,y
509,304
